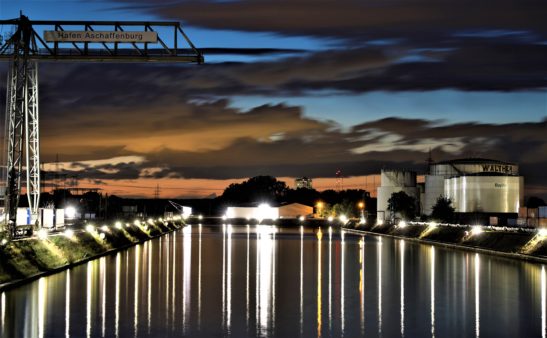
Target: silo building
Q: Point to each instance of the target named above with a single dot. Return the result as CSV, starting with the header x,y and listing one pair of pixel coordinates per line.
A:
x,y
392,181
475,185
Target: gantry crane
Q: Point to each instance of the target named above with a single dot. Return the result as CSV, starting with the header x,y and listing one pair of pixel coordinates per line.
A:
x,y
87,41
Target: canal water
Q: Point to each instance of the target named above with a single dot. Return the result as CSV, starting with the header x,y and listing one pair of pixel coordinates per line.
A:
x,y
246,281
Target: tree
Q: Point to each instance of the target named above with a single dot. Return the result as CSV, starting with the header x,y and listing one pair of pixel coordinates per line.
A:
x,y
401,203
534,202
256,189
346,207
443,211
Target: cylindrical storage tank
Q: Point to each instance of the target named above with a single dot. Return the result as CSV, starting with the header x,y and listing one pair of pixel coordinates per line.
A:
x,y
434,188
398,178
500,194
542,212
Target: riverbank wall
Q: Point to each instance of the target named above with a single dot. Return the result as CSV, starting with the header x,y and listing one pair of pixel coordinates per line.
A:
x,y
27,259
509,243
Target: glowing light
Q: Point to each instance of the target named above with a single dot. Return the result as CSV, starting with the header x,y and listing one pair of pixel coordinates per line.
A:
x,y
127,225
362,221
102,235
69,233
42,234
542,232
4,241
330,218
432,224
224,217
343,219
265,211
118,225
104,228
200,217
301,218
476,230
379,222
70,212
137,222
150,221
90,228
402,224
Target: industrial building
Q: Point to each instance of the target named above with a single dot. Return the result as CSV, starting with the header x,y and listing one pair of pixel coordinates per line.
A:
x,y
264,211
476,186
303,182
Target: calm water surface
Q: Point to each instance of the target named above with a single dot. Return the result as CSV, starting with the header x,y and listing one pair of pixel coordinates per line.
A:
x,y
262,281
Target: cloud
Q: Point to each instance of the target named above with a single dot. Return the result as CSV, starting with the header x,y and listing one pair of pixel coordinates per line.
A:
x,y
350,19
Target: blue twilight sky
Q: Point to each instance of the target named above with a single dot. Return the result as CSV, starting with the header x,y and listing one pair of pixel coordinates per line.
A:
x,y
301,88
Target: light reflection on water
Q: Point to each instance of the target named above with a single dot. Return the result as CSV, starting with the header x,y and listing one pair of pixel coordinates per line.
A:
x,y
266,281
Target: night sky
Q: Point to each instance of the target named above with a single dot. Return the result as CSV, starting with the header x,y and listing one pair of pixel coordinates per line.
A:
x,y
322,85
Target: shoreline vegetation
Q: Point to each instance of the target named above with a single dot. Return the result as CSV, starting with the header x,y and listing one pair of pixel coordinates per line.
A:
x,y
22,261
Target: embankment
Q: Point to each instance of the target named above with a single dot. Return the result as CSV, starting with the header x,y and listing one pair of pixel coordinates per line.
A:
x,y
516,244
28,259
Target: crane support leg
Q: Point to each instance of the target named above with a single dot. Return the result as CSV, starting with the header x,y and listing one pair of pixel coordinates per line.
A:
x,y
23,138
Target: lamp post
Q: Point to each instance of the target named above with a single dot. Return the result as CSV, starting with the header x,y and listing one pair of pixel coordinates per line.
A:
x,y
361,205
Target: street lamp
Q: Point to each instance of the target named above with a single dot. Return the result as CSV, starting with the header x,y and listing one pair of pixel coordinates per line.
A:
x,y
361,205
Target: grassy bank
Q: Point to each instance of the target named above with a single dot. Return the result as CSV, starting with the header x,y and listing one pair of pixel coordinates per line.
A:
x,y
31,257
512,242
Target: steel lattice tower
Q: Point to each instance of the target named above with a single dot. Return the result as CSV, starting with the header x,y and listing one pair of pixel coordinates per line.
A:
x,y
22,126
24,49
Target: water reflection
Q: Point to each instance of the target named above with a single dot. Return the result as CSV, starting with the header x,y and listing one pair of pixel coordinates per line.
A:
x,y
402,265
89,288
543,302
319,265
117,296
136,292
186,277
67,305
477,297
380,286
264,294
362,283
432,291
172,286
42,299
301,280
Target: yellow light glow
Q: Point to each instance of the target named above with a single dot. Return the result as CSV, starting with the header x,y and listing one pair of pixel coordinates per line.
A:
x,y
118,225
42,234
343,219
542,232
90,228
104,228
476,230
301,218
330,218
69,233
402,224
